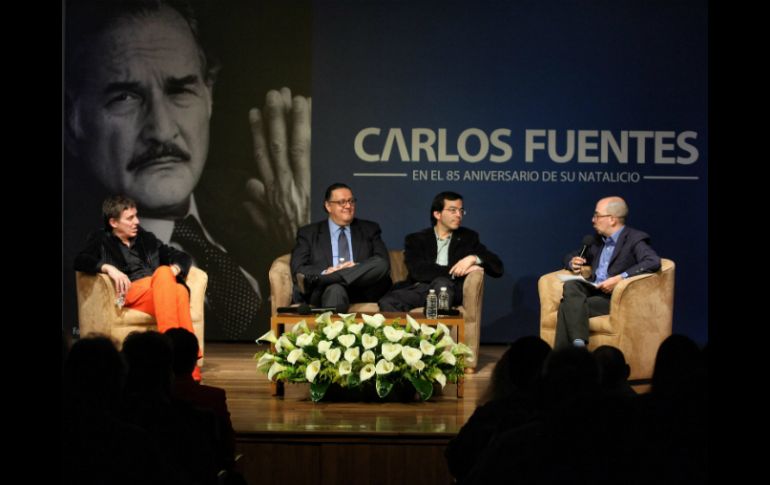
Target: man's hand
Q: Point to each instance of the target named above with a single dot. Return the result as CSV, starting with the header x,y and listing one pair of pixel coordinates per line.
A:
x,y
122,283
465,266
576,263
279,199
332,269
610,283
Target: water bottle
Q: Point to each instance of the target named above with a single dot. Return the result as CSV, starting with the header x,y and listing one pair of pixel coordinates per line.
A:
x,y
443,300
431,306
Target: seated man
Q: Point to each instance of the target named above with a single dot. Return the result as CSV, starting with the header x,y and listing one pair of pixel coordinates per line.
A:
x,y
620,252
441,256
343,259
149,275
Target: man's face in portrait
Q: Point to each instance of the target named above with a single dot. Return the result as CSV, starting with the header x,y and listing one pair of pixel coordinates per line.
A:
x,y
140,110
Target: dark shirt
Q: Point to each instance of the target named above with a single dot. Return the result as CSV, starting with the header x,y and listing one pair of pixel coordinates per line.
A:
x,y
137,266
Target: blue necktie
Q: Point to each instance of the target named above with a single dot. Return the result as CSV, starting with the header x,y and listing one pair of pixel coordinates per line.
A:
x,y
343,250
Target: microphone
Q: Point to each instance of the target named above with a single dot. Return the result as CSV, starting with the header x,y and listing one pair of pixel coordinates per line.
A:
x,y
305,309
588,240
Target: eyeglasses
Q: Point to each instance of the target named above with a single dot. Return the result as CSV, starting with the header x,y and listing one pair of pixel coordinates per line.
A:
x,y
343,203
455,210
599,216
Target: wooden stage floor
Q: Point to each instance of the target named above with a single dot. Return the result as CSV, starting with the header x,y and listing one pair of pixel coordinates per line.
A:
x,y
254,411
291,440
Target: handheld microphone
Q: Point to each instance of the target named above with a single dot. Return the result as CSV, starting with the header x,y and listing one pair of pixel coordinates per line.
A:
x,y
305,309
588,240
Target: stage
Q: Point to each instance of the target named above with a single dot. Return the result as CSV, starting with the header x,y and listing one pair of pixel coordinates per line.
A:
x,y
291,440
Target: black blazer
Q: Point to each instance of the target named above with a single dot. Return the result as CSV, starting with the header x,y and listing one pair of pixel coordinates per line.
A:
x,y
633,255
313,251
420,250
102,247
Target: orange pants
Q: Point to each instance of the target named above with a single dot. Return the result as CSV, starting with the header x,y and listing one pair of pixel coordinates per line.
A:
x,y
161,296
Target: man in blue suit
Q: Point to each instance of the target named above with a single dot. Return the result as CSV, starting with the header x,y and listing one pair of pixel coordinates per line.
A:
x,y
341,259
616,253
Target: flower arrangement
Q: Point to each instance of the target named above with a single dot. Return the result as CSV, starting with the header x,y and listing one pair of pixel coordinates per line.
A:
x,y
372,352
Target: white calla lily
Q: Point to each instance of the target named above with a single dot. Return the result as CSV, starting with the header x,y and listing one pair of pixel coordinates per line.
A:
x,y
305,339
345,368
412,323
368,357
373,321
446,341
352,354
439,377
294,356
369,341
268,337
300,327
333,355
355,328
347,340
462,349
384,367
325,317
367,372
284,343
447,357
391,351
443,329
393,334
419,366
274,369
265,360
347,317
411,355
427,348
332,330
427,330
312,370
323,346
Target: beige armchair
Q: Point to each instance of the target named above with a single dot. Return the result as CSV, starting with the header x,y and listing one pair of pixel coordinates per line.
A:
x,y
97,311
641,313
473,292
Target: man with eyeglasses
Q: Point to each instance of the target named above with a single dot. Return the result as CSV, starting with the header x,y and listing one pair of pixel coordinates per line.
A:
x,y
618,251
441,256
340,260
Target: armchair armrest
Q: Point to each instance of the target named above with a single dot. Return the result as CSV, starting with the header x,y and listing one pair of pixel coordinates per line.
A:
x,y
473,293
280,283
96,303
473,297
197,280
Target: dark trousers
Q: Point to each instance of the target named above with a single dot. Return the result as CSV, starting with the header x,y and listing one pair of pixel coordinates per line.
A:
x,y
414,295
366,281
579,302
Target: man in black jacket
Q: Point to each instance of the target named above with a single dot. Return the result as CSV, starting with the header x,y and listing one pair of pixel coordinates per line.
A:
x,y
441,256
342,259
149,275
